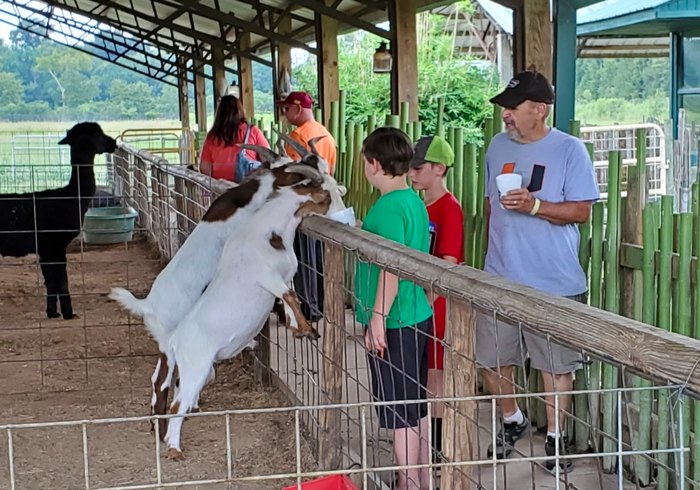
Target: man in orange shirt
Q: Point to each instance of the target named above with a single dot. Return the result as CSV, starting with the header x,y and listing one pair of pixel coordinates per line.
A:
x,y
298,109
308,281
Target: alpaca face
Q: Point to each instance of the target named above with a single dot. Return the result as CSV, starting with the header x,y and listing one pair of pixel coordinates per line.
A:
x,y
89,137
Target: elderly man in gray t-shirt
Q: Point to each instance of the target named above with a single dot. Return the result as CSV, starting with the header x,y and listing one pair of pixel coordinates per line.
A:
x,y
533,239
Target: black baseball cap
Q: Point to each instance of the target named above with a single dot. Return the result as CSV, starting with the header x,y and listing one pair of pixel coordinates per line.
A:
x,y
526,85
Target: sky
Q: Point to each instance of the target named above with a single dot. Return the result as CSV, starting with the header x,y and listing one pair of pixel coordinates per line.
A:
x,y
5,29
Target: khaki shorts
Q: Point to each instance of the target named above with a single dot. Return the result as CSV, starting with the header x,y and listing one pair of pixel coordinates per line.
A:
x,y
499,344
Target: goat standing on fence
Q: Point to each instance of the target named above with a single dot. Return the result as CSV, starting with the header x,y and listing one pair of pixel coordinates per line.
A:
x,y
46,222
256,266
180,284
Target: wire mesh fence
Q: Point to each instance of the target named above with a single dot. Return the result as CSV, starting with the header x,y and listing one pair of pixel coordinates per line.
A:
x,y
334,424
34,161
622,138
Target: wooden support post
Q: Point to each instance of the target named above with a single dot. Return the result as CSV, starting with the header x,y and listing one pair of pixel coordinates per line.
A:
x,y
518,38
218,62
327,63
200,97
330,450
183,91
538,36
245,77
404,51
284,51
504,57
459,437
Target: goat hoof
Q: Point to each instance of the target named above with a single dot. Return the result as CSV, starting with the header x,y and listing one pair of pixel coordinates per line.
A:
x,y
175,454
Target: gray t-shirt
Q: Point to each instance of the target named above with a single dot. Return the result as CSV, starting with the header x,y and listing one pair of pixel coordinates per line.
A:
x,y
527,249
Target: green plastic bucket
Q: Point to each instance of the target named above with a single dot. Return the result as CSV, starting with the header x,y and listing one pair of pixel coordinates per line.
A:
x,y
109,225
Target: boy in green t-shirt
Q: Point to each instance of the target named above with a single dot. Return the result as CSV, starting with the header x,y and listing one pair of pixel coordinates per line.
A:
x,y
395,312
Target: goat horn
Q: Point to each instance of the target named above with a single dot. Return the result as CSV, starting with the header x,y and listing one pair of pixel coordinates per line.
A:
x,y
312,144
266,153
298,147
280,147
306,171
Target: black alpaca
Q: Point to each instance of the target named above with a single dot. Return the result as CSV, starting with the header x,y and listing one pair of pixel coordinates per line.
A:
x,y
45,222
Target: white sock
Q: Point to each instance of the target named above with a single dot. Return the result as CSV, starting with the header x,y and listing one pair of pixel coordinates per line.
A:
x,y
517,417
553,435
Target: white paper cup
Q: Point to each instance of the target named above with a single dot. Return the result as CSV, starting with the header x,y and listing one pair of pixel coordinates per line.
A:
x,y
508,182
346,216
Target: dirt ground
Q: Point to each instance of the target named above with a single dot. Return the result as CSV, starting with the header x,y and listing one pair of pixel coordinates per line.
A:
x,y
98,366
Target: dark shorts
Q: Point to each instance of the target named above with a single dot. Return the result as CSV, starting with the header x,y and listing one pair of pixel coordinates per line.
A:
x,y
402,375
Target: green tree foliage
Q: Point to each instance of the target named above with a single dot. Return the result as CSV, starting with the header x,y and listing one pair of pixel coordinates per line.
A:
x,y
465,83
628,90
11,88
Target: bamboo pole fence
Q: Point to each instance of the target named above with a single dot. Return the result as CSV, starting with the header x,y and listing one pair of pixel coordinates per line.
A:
x,y
640,258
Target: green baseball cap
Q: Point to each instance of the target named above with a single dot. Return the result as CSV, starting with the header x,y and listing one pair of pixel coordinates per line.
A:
x,y
432,149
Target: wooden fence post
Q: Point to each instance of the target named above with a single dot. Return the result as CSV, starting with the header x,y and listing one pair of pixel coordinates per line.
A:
x,y
262,366
632,283
156,225
330,444
180,207
141,193
632,232
459,424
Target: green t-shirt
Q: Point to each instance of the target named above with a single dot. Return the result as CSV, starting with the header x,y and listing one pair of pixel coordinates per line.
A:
x,y
399,216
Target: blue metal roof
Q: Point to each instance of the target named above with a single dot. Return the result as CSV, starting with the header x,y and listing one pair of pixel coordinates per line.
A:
x,y
609,9
622,17
640,17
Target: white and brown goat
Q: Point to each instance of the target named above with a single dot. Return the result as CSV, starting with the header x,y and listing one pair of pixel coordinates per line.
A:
x,y
180,284
257,265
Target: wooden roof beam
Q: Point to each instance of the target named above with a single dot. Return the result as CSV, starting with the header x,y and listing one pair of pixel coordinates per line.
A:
x,y
355,21
230,19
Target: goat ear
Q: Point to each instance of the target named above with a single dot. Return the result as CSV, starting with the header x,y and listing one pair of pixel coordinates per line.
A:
x,y
65,140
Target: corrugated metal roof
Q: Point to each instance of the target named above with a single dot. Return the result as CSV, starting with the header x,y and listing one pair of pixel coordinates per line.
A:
x,y
604,10
503,16
609,9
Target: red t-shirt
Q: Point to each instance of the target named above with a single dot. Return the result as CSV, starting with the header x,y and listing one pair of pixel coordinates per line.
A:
x,y
223,158
446,228
446,238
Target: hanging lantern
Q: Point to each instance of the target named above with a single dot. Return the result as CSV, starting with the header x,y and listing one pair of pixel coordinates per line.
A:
x,y
382,59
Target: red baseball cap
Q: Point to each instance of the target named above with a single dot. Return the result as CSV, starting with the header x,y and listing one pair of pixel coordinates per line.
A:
x,y
298,98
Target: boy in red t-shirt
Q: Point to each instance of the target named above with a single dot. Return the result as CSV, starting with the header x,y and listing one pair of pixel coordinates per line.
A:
x,y
433,158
